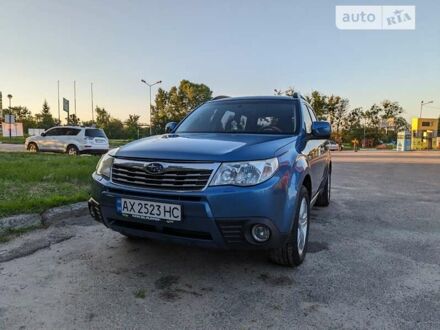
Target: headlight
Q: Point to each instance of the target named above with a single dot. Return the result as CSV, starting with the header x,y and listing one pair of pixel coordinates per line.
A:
x,y
245,173
104,166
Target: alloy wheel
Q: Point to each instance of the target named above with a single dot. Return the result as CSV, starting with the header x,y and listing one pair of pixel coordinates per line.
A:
x,y
303,223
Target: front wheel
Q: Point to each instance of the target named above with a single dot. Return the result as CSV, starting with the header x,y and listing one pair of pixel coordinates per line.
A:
x,y
32,147
72,150
294,250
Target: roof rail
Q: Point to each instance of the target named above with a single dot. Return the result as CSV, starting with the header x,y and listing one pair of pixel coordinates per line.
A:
x,y
297,95
220,97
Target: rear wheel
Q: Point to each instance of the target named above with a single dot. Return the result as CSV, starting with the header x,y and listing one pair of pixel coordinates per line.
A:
x,y
294,251
324,196
32,147
72,150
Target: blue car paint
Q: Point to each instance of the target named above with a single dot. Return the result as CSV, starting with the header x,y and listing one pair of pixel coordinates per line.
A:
x,y
301,159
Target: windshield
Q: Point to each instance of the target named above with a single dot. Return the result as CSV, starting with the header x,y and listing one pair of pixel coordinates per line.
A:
x,y
94,132
252,117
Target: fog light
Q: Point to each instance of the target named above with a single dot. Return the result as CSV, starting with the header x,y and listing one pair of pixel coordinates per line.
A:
x,y
260,233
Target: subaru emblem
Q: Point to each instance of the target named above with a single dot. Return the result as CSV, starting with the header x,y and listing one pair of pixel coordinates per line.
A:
x,y
154,168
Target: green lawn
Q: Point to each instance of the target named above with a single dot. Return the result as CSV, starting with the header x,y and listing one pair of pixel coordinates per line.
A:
x,y
14,140
35,182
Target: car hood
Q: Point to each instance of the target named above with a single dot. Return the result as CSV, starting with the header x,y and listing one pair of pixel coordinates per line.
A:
x,y
206,147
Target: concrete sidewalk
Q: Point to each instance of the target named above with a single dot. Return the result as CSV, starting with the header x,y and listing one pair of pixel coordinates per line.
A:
x,y
9,147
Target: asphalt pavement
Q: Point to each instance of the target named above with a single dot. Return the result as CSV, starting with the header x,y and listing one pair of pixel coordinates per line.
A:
x,y
373,262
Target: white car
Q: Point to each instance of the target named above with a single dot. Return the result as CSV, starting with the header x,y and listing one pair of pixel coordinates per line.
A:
x,y
333,146
73,140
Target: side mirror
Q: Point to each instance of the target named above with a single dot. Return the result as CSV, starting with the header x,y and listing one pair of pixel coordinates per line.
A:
x,y
169,127
321,129
43,134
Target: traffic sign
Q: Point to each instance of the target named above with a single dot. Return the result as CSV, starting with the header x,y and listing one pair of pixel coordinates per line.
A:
x,y
65,105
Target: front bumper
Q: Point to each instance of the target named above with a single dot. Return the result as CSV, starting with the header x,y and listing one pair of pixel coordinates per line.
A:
x,y
219,217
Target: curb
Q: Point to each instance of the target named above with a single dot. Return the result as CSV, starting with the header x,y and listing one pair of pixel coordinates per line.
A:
x,y
46,219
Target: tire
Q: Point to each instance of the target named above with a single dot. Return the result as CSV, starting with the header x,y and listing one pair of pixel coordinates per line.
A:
x,y
324,196
72,150
294,251
32,147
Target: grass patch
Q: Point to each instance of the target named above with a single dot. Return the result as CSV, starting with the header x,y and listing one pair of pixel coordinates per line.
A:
x,y
141,294
10,233
13,140
114,143
35,182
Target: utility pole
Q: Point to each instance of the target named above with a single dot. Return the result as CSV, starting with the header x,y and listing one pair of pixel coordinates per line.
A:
x,y
59,114
10,116
74,96
421,106
91,93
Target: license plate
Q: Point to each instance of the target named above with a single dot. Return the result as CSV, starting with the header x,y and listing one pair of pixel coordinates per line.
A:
x,y
149,210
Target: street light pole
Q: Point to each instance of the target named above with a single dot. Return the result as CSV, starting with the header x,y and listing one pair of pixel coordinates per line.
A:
x,y
10,116
421,106
149,86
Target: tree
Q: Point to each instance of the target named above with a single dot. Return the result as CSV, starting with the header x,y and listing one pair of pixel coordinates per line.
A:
x,y
87,123
132,124
22,115
318,102
339,117
102,117
115,129
73,120
44,118
175,104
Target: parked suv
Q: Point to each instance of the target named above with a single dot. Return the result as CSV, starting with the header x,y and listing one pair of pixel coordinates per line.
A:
x,y
235,173
73,140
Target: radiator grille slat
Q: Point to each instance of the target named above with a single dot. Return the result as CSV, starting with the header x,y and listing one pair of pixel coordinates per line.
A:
x,y
177,178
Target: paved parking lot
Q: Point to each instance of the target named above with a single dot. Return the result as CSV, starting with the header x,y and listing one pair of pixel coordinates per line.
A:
x,y
374,262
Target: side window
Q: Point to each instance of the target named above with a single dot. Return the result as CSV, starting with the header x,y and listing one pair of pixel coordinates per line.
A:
x,y
72,131
307,119
62,131
52,132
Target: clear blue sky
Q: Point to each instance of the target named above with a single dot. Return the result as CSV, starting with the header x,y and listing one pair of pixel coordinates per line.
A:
x,y
235,47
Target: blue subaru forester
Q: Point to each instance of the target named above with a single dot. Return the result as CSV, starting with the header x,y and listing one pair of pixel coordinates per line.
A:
x,y
239,172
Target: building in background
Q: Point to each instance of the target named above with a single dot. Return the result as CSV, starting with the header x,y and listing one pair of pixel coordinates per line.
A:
x,y
424,134
403,141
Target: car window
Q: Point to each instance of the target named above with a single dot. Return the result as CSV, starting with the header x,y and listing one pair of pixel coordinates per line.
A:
x,y
307,120
62,131
95,132
252,117
72,131
52,132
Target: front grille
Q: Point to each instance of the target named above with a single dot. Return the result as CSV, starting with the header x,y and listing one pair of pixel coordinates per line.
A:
x,y
174,177
232,231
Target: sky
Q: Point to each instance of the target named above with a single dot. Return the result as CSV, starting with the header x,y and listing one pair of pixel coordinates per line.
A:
x,y
235,47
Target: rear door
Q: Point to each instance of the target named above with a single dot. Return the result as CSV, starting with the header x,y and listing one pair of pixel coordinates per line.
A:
x,y
71,137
